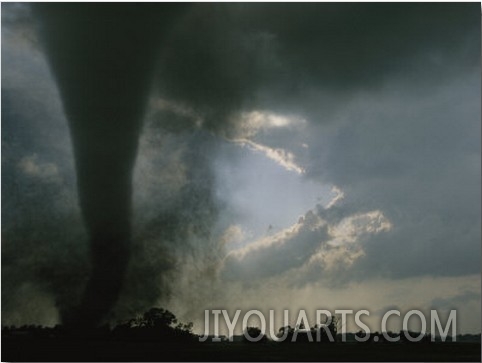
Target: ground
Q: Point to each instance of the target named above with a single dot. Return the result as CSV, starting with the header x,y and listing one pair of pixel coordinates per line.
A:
x,y
48,349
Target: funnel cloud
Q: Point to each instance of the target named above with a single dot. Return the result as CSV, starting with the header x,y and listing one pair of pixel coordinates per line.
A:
x,y
102,57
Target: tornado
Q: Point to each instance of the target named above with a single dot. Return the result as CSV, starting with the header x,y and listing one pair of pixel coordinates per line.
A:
x,y
102,57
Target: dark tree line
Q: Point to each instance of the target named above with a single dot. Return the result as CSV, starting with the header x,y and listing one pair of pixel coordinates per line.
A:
x,y
299,334
157,323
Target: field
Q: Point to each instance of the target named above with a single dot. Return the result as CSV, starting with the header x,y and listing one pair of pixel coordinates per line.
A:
x,y
29,349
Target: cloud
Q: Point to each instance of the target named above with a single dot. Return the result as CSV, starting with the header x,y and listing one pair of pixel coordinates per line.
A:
x,y
250,123
380,111
350,228
457,300
311,247
282,157
411,156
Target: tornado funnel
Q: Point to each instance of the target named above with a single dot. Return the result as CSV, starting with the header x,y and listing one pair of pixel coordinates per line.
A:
x,y
102,57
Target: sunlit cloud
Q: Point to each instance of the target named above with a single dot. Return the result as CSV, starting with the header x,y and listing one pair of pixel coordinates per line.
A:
x,y
339,195
268,241
280,156
250,123
337,258
351,228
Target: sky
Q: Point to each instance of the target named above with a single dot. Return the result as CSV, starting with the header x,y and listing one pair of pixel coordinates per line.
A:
x,y
317,156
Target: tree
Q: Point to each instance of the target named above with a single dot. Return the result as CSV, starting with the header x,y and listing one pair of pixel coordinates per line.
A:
x,y
158,318
156,323
254,333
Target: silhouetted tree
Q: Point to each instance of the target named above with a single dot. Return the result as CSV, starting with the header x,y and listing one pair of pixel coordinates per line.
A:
x,y
155,323
303,336
158,318
255,332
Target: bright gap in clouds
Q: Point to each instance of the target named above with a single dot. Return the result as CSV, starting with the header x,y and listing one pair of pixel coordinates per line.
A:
x,y
262,197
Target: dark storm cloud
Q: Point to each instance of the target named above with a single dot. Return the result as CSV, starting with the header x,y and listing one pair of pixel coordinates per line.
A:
x,y
284,56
